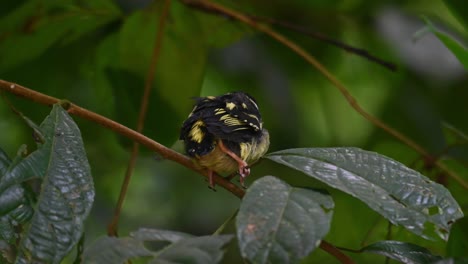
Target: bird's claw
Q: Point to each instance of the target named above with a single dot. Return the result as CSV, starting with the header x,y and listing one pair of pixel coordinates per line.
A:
x,y
212,188
244,171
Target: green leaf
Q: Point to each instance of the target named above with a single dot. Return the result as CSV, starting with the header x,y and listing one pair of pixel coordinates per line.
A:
x,y
67,190
183,248
404,252
453,45
182,58
15,203
458,9
4,162
452,261
400,194
457,245
146,234
220,31
278,223
114,250
46,24
197,250
13,197
128,101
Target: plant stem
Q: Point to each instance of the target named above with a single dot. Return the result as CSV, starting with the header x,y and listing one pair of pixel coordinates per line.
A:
x,y
223,226
332,250
113,226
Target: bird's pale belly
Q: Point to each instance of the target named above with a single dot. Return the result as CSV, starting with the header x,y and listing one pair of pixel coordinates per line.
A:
x,y
218,161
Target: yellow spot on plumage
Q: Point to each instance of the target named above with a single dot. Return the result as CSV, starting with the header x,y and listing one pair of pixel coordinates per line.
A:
x,y
244,105
254,126
253,102
253,116
230,121
240,128
196,134
219,111
230,105
211,97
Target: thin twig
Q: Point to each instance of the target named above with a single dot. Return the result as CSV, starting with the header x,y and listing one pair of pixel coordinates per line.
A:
x,y
334,251
317,35
370,232
113,226
133,135
302,30
328,75
224,225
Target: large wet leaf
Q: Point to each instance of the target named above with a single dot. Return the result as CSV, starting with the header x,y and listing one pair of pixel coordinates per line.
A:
x,y
15,208
4,162
278,223
400,194
403,252
182,248
66,194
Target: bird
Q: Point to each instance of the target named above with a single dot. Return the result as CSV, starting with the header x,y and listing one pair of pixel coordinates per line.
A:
x,y
225,134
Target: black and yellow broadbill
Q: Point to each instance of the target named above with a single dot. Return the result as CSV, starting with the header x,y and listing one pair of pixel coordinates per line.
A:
x,y
225,134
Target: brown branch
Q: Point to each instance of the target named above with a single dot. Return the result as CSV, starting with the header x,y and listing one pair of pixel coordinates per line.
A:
x,y
332,250
165,152
113,226
205,4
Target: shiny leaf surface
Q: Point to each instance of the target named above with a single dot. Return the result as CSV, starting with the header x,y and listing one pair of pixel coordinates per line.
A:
x,y
183,248
404,252
15,205
278,223
400,194
66,194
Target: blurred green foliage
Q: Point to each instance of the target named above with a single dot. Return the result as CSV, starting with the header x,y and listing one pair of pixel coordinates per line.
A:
x,y
97,54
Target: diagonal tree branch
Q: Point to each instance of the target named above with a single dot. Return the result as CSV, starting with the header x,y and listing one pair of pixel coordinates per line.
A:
x,y
133,135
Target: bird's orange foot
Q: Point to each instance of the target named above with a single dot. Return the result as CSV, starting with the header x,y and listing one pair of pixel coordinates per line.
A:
x,y
244,169
211,181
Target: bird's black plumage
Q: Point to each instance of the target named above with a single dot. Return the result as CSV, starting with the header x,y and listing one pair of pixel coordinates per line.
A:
x,y
233,118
